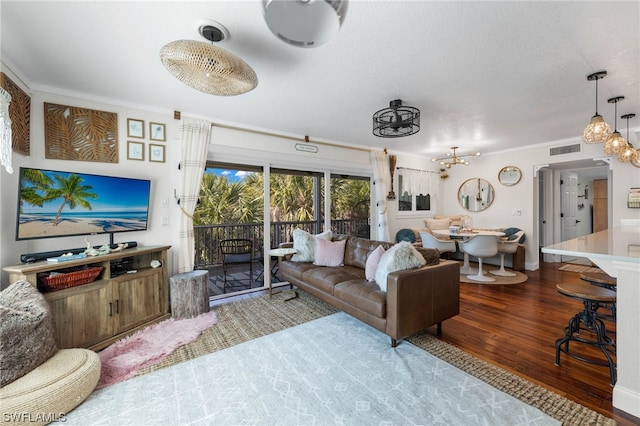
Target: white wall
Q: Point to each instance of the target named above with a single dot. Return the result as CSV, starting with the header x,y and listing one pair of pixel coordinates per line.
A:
x,y
163,178
523,196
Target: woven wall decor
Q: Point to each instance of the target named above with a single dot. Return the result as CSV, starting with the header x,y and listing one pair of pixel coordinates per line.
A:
x,y
20,114
80,134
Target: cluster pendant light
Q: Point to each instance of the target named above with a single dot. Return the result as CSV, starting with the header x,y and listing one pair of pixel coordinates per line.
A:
x,y
598,130
629,154
615,142
453,160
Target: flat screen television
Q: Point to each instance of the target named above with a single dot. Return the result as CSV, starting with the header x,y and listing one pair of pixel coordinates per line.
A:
x,y
60,204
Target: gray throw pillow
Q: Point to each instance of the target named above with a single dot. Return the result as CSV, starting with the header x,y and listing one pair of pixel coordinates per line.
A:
x,y
27,332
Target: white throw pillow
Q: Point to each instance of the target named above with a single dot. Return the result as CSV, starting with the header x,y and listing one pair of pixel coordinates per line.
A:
x,y
305,245
371,266
329,253
399,257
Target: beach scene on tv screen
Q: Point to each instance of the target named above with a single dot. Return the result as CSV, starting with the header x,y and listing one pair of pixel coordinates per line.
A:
x,y
53,203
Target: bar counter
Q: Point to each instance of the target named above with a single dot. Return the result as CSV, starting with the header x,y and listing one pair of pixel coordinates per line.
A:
x,y
617,252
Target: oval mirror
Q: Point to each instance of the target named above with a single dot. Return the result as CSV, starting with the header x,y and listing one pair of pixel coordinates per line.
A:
x,y
509,175
475,194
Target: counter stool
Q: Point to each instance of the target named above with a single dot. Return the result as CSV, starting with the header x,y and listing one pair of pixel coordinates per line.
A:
x,y
605,280
587,321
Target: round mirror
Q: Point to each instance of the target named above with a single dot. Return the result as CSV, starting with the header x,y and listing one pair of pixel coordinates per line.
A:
x,y
509,175
475,194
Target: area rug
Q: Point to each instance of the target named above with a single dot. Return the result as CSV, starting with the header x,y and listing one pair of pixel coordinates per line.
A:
x,y
578,268
333,370
518,279
259,316
124,358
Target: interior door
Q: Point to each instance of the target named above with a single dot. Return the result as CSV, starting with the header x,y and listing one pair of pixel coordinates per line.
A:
x,y
568,207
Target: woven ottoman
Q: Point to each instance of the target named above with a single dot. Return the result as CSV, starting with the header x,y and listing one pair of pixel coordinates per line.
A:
x,y
52,390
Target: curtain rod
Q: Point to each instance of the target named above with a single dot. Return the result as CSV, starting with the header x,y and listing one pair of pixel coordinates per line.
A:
x,y
417,170
293,138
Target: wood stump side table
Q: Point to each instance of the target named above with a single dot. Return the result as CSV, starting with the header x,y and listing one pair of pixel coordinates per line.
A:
x,y
189,293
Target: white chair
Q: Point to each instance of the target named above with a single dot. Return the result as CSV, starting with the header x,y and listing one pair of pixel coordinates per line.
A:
x,y
430,241
481,246
466,268
504,247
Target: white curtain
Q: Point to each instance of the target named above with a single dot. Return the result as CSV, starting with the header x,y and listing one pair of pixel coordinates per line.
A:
x,y
195,141
380,169
420,182
5,131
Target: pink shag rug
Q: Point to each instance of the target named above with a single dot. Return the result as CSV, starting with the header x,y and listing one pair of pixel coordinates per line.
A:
x,y
123,359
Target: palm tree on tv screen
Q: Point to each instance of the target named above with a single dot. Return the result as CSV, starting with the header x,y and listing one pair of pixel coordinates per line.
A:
x,y
73,193
37,182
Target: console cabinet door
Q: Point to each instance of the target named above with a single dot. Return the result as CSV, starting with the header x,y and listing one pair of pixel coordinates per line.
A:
x,y
83,316
138,298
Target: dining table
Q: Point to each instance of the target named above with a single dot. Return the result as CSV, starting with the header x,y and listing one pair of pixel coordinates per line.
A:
x,y
465,235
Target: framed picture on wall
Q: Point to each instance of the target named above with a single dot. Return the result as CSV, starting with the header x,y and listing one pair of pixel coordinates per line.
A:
x,y
135,150
156,153
157,132
135,128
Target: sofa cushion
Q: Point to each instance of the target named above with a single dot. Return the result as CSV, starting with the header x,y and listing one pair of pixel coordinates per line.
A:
x,y
329,253
405,234
358,249
372,263
27,333
437,223
364,296
399,257
305,245
325,278
511,234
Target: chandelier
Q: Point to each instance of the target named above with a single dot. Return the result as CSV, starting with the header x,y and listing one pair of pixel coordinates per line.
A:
x,y
453,160
598,130
208,68
396,121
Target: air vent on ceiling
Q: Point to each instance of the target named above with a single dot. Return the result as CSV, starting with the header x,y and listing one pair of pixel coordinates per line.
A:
x,y
565,149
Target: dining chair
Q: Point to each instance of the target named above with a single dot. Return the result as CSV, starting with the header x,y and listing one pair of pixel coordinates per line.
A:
x,y
504,247
236,251
480,246
443,246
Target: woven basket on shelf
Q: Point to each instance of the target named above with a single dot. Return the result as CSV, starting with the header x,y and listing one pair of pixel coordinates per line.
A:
x,y
70,279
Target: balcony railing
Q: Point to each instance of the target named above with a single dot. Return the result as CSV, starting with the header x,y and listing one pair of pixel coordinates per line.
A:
x,y
208,237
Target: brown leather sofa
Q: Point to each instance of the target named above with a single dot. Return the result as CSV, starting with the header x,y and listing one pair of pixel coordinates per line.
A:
x,y
415,299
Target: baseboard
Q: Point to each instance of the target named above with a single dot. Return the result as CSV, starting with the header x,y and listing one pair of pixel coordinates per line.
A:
x,y
626,400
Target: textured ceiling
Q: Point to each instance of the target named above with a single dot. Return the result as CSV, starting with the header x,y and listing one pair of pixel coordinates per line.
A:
x,y
486,76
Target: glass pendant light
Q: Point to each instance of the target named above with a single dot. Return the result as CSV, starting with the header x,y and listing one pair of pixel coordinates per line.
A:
x,y
629,154
598,130
615,142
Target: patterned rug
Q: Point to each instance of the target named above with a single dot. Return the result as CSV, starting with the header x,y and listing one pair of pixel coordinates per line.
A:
x,y
258,316
332,370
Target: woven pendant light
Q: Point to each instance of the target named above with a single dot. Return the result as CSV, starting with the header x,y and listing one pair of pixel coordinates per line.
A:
x,y
598,130
206,67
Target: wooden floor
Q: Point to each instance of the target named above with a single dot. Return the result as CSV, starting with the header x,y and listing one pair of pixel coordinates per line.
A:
x,y
515,327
